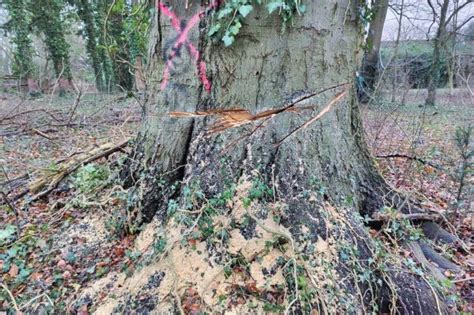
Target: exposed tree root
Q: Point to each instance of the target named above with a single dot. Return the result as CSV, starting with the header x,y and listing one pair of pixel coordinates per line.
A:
x,y
436,233
436,258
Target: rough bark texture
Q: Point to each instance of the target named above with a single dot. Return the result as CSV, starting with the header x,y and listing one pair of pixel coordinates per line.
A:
x,y
328,162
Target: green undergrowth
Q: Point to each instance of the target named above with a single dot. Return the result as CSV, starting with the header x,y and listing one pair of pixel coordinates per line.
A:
x,y
28,263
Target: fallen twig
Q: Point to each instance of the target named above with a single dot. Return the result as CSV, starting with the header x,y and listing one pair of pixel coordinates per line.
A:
x,y
51,178
15,305
414,158
76,103
42,134
402,216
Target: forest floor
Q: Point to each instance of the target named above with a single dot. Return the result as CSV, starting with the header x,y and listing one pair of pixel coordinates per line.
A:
x,y
54,247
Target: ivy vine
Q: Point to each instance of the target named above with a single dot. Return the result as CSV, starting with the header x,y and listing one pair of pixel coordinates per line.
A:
x,y
19,25
230,16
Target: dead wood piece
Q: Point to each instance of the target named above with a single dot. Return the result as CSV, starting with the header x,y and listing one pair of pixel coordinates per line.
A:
x,y
231,118
48,112
409,216
49,179
15,182
414,158
42,134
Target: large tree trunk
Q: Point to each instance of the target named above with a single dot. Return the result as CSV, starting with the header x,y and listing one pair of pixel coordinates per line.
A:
x,y
299,183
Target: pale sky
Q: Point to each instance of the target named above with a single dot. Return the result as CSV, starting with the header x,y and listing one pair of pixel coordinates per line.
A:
x,y
418,17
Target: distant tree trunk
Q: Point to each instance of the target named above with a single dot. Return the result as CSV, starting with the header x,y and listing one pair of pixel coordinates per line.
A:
x,y
47,18
395,52
86,13
101,12
326,162
370,63
451,64
23,53
438,43
118,46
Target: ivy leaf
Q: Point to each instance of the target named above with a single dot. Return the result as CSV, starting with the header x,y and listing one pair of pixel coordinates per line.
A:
x,y
214,29
7,232
245,10
228,39
274,5
224,12
234,29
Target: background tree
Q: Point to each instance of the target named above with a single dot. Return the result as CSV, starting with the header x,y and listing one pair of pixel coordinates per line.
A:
x,y
47,19
444,18
264,69
370,64
469,32
86,12
117,43
101,8
23,54
441,35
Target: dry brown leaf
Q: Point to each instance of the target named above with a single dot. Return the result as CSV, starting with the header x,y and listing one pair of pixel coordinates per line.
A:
x,y
13,272
35,276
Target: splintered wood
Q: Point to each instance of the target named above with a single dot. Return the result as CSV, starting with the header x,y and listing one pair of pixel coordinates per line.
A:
x,y
231,118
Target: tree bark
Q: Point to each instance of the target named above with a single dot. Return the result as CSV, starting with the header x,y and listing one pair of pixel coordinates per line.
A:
x,y
86,13
47,19
374,38
438,50
119,53
23,54
317,170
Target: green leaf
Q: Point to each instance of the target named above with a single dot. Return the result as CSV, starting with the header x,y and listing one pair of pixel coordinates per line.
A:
x,y
224,12
245,10
228,39
234,29
7,232
214,29
274,5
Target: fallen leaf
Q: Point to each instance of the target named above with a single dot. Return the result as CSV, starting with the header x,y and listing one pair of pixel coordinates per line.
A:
x,y
35,276
13,272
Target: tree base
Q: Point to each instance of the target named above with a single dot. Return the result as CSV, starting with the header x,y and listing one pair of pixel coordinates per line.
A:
x,y
232,251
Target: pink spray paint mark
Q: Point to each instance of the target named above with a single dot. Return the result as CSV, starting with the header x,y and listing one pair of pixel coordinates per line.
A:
x,y
183,39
